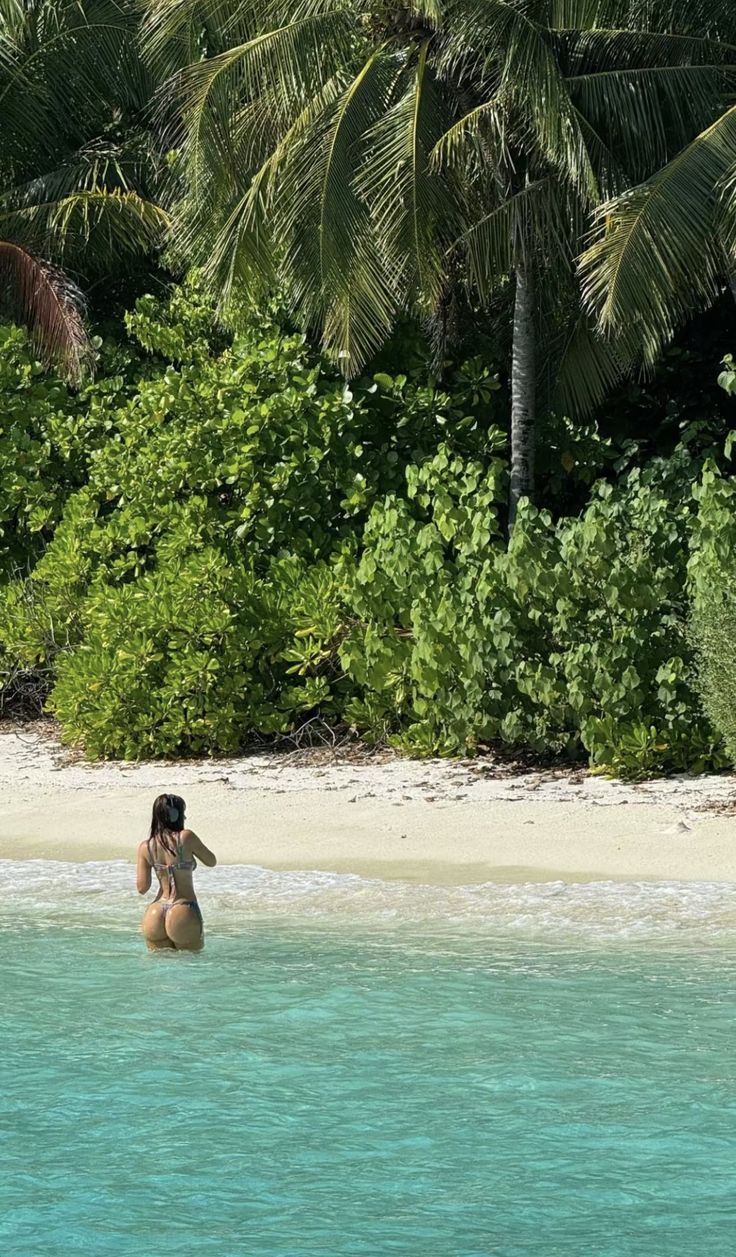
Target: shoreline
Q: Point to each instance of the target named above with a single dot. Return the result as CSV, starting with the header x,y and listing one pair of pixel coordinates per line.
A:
x,y
430,822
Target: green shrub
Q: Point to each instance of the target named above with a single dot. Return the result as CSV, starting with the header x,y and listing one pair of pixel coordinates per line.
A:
x,y
165,662
714,638
225,479
573,640
192,657
712,575
45,434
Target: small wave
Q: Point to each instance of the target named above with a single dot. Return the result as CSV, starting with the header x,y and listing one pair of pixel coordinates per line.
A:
x,y
56,893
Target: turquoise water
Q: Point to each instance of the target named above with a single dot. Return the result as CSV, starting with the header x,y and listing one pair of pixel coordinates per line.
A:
x,y
355,1067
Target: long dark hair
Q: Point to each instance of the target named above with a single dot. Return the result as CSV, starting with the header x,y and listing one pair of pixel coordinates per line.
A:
x,y
167,820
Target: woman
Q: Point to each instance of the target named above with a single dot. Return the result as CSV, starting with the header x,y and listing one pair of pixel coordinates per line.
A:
x,y
173,919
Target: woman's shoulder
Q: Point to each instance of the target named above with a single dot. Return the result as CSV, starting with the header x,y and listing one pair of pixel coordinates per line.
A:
x,y
144,847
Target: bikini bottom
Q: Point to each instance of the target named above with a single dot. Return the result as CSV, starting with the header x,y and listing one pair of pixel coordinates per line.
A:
x,y
185,903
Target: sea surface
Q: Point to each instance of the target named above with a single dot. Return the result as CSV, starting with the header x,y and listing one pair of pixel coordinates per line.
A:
x,y
363,1067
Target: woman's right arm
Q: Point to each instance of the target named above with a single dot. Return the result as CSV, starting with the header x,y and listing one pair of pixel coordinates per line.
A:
x,y
203,854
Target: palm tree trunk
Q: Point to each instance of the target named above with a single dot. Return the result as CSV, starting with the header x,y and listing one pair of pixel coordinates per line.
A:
x,y
523,392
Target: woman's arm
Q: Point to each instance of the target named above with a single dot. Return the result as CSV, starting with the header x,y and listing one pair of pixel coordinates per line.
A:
x,y
143,870
198,848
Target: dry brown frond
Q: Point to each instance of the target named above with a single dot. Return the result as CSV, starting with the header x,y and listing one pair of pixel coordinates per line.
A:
x,y
44,299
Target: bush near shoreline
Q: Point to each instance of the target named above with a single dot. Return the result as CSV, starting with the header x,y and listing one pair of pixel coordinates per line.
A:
x,y
217,538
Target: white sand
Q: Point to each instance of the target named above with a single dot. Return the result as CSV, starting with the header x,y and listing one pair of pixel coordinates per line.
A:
x,y
434,821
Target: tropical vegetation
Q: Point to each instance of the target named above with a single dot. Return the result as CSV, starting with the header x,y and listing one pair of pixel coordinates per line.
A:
x,y
321,398
377,159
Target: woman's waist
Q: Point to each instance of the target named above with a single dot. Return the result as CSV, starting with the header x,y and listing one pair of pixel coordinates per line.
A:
x,y
170,895
181,887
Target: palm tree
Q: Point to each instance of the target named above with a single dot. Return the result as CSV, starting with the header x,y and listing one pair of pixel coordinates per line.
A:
x,y
361,155
77,173
627,83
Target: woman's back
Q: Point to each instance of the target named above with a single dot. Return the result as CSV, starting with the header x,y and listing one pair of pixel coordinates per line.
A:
x,y
171,856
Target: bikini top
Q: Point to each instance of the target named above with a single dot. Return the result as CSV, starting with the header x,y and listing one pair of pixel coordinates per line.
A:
x,y
179,865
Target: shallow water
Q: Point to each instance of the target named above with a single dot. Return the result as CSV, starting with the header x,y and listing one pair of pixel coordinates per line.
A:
x,y
358,1067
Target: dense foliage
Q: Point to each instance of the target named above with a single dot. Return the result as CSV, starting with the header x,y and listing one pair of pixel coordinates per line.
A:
x,y
218,539
713,581
494,212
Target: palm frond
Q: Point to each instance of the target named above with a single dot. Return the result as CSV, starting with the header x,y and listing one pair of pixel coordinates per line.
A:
x,y
358,319
243,245
712,18
176,33
326,225
538,216
479,134
43,105
585,367
98,165
284,66
610,173
495,46
650,92
43,299
432,11
89,229
414,211
661,249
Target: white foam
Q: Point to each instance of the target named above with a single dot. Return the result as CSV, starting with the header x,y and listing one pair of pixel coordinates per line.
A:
x,y
49,892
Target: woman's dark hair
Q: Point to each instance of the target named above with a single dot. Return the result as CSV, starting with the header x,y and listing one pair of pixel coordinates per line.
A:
x,y
167,819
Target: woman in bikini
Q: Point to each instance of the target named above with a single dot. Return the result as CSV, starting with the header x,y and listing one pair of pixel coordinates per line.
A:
x,y
173,920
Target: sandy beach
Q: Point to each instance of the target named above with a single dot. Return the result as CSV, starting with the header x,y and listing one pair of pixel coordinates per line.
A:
x,y
435,822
